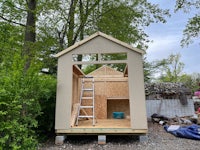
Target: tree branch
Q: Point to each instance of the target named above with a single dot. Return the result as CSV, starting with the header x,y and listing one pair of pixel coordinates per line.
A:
x,y
84,19
11,21
16,6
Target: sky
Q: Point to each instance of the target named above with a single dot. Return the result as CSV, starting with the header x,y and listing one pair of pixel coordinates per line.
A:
x,y
166,39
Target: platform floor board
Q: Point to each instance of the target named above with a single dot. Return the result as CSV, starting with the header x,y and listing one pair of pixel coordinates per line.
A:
x,y
104,123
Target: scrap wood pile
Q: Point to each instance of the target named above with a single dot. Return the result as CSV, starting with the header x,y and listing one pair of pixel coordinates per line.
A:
x,y
166,90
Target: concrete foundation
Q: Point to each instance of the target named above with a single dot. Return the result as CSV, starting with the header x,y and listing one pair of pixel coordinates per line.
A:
x,y
59,140
101,139
143,138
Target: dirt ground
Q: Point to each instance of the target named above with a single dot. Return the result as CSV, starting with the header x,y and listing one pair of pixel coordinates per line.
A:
x,y
158,139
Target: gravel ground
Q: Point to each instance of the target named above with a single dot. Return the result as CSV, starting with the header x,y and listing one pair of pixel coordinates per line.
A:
x,y
158,139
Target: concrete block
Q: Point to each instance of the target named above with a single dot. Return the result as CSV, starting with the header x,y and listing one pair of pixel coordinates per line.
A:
x,y
101,139
60,139
143,138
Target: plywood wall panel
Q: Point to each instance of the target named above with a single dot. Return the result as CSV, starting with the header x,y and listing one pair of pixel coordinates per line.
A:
x,y
118,105
104,89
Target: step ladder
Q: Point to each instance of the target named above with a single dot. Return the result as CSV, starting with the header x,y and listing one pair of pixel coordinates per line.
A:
x,y
90,99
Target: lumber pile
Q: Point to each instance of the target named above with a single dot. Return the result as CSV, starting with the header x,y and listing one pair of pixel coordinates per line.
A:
x,y
166,90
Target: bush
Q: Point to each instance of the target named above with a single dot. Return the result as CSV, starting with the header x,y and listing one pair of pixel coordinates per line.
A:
x,y
47,102
21,94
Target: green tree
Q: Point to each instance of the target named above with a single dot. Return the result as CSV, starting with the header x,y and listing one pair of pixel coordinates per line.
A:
x,y
170,69
22,88
76,19
10,40
192,29
18,90
124,20
191,81
149,70
13,12
21,98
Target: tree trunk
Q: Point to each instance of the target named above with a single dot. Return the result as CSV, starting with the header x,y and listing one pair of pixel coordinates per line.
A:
x,y
71,24
29,41
82,29
30,33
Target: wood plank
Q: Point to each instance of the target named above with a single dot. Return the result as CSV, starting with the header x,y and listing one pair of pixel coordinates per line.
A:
x,y
117,98
100,62
105,123
74,114
85,113
103,126
113,131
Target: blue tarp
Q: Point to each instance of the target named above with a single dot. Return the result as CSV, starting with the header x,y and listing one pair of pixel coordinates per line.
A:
x,y
190,132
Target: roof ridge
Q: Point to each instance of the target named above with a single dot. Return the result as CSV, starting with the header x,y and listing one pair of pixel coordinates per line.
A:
x,y
79,43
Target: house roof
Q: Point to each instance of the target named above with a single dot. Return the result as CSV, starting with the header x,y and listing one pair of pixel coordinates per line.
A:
x,y
77,44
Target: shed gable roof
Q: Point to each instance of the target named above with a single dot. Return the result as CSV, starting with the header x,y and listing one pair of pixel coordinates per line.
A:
x,y
106,71
77,44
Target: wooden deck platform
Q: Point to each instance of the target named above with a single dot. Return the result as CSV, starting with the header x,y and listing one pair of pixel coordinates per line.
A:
x,y
105,123
103,126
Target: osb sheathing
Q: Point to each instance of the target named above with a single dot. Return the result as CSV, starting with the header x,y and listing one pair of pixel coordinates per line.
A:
x,y
106,71
118,105
106,89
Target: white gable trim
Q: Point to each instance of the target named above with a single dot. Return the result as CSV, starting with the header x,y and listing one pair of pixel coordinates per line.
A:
x,y
77,44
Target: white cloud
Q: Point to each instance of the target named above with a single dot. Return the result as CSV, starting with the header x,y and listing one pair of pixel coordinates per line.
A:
x,y
162,47
166,39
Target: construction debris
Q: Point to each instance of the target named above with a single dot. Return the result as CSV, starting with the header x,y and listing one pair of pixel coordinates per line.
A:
x,y
171,91
159,119
182,121
166,90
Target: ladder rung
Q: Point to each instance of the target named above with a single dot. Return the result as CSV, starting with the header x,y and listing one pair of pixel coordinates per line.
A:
x,y
85,116
86,106
90,97
87,98
87,89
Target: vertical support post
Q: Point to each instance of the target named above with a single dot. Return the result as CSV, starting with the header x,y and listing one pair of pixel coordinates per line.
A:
x,y
60,139
143,138
101,139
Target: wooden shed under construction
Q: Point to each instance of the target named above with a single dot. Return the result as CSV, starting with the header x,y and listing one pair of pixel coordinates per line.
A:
x,y
114,91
